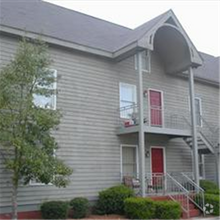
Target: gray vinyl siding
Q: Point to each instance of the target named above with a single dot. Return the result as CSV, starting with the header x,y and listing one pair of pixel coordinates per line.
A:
x,y
88,96
210,168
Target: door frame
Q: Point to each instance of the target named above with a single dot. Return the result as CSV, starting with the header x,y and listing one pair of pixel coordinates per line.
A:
x,y
164,158
162,105
137,158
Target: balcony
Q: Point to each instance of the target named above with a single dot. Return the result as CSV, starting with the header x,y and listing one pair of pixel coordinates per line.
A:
x,y
172,122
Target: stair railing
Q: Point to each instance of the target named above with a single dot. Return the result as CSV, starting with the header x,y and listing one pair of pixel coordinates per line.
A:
x,y
211,133
196,193
178,193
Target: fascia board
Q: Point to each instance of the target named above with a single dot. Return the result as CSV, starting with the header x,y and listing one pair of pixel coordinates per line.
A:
x,y
55,41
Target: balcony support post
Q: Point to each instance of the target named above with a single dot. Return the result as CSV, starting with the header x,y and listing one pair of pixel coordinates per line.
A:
x,y
193,126
141,124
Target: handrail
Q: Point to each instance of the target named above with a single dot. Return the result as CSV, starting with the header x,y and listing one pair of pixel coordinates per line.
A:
x,y
177,183
212,132
154,116
192,182
180,197
207,124
198,190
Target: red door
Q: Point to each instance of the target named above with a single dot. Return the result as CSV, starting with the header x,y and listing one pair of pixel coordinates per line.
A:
x,y
156,108
157,160
157,166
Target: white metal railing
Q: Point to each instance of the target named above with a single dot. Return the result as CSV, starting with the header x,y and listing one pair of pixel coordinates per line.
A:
x,y
155,183
181,194
180,187
210,132
196,192
154,117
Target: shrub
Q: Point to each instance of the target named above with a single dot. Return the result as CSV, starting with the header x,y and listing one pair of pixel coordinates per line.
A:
x,y
111,201
208,185
54,210
80,207
213,191
167,210
213,200
139,208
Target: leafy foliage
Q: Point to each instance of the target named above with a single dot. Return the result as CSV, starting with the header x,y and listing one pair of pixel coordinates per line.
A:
x,y
54,210
214,201
167,210
208,185
213,191
111,201
79,207
27,145
139,208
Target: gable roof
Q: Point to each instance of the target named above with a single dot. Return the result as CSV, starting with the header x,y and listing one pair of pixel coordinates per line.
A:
x,y
210,70
48,19
37,16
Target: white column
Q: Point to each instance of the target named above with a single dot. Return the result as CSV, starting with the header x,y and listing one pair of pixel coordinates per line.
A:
x,y
193,126
141,125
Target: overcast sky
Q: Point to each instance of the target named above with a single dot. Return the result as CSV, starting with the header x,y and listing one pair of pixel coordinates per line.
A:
x,y
200,18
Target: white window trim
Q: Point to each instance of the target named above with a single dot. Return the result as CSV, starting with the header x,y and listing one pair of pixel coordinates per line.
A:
x,y
54,96
200,109
55,89
134,88
121,162
33,183
128,85
203,167
148,56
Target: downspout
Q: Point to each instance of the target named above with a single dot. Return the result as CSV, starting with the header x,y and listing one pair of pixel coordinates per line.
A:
x,y
193,126
141,124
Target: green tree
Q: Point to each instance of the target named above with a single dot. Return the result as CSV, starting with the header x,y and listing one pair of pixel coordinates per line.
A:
x,y
27,144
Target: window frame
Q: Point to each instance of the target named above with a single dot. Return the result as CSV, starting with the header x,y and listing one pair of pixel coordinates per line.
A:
x,y
121,159
201,161
34,183
200,112
147,55
54,96
134,96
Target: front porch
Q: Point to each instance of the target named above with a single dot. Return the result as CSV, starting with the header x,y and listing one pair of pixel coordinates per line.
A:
x,y
178,187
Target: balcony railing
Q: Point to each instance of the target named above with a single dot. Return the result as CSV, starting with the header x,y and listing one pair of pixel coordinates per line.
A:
x,y
154,116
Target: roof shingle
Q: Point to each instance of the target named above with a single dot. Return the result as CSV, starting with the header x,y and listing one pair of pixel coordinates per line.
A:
x,y
54,21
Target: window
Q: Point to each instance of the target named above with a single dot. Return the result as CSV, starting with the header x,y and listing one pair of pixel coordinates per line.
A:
x,y
198,109
43,101
128,99
129,163
201,166
146,61
34,182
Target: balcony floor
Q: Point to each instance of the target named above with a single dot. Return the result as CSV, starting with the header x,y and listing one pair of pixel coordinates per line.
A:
x,y
155,130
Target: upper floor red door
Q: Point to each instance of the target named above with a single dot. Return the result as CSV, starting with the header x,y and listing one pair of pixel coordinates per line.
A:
x,y
155,108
